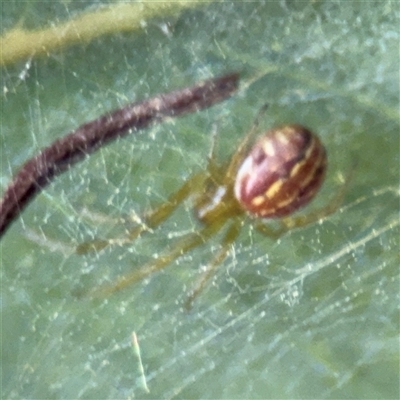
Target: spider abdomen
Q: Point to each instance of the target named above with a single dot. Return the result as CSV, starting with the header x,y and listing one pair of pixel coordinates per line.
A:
x,y
283,172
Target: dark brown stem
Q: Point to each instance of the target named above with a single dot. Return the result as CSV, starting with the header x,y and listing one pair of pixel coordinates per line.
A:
x,y
38,172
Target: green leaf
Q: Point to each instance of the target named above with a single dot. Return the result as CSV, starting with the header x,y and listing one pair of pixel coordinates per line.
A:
x,y
313,314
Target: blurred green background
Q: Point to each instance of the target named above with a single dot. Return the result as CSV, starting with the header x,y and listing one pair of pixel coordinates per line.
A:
x,y
314,314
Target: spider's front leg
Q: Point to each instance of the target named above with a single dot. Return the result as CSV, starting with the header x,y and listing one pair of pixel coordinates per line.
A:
x,y
152,219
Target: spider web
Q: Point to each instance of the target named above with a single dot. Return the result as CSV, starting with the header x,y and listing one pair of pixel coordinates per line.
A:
x,y
311,315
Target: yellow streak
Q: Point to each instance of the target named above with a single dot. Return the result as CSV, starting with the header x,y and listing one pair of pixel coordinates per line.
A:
x,y
289,200
257,201
282,137
269,148
296,168
274,189
311,175
266,211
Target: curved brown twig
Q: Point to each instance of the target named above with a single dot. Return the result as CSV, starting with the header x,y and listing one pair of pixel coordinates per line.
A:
x,y
38,172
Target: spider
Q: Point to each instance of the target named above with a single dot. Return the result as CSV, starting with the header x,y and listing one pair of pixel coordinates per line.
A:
x,y
281,173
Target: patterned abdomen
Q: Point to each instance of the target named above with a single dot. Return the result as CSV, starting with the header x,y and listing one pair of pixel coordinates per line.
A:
x,y
283,172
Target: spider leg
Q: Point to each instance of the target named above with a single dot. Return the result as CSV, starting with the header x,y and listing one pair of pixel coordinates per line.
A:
x,y
151,220
216,171
228,239
242,148
184,245
212,165
272,232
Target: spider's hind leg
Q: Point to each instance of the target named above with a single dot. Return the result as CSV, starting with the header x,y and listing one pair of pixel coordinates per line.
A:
x,y
229,238
184,245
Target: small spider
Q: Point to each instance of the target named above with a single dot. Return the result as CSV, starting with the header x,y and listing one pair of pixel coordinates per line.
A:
x,y
281,173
